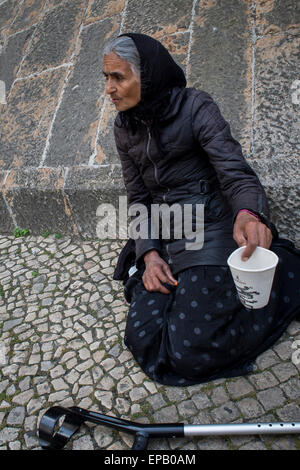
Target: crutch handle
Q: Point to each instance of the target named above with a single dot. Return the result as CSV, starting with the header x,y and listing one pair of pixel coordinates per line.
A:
x,y
54,436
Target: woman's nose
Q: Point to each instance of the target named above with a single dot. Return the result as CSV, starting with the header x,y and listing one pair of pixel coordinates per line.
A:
x,y
110,87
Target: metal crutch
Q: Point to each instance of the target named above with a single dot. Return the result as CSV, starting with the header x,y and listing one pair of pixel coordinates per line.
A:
x,y
53,435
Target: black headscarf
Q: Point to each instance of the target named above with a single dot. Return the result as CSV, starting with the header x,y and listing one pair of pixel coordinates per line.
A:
x,y
159,74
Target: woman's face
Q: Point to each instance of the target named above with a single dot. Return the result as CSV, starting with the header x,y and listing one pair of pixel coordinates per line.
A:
x,y
122,85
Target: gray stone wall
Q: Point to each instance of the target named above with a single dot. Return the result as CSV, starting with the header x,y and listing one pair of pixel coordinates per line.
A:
x,y
57,157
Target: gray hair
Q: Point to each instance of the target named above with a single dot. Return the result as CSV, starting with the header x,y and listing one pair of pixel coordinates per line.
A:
x,y
125,48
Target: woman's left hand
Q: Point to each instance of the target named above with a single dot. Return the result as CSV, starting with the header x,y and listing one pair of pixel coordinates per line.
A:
x,y
248,231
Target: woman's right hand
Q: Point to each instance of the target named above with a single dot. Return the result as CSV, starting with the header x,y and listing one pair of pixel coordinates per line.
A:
x,y
156,272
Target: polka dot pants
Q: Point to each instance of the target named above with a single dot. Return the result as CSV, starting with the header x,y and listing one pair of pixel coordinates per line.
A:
x,y
201,331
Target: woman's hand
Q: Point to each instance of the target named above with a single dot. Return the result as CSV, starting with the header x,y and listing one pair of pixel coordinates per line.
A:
x,y
248,231
156,272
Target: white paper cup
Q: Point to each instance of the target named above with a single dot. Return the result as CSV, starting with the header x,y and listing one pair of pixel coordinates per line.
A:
x,y
253,278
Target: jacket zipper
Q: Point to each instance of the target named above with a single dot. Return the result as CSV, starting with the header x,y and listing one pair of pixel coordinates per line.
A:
x,y
169,256
148,154
157,181
155,167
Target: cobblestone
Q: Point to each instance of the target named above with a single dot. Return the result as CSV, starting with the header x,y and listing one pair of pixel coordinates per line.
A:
x,y
62,321
271,398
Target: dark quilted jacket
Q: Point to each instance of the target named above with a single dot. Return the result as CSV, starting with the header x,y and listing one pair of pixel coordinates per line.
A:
x,y
202,164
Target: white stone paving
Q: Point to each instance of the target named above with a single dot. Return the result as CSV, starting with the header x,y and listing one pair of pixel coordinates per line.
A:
x,y
62,319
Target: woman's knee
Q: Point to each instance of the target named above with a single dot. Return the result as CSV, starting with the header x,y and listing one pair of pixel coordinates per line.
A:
x,y
143,328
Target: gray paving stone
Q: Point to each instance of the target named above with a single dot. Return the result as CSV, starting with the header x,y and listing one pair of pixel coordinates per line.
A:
x,y
239,387
211,443
138,394
264,380
254,446
271,398
289,413
267,359
284,349
283,443
187,408
23,398
103,437
8,325
250,408
219,396
201,401
291,388
16,416
284,371
167,415
225,413
156,401
8,435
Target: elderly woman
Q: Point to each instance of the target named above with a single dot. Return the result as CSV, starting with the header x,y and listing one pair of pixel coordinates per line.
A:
x,y
185,323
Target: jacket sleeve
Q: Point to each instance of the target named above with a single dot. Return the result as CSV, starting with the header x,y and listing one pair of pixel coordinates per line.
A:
x,y
137,193
238,181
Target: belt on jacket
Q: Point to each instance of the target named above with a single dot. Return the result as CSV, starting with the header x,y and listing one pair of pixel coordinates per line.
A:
x,y
204,186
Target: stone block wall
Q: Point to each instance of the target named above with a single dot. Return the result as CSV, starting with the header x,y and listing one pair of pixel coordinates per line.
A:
x,y
58,160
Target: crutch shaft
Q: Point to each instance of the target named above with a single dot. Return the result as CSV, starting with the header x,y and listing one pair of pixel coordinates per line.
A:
x,y
246,428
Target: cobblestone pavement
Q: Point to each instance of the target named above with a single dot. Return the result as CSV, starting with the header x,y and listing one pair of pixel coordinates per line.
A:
x,y
62,320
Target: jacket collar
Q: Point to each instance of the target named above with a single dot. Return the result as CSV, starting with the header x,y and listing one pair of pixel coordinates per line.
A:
x,y
177,96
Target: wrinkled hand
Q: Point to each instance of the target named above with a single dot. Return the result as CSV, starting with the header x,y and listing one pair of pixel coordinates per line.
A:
x,y
156,272
249,232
